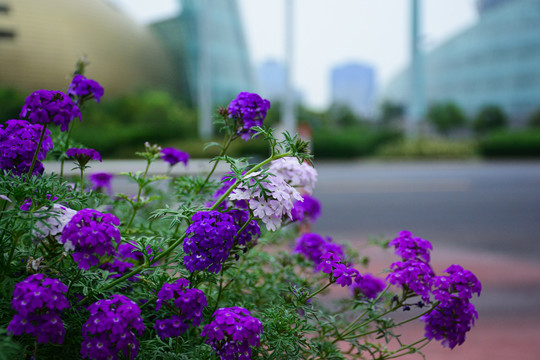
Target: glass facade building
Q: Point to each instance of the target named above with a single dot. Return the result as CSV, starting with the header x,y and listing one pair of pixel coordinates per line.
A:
x,y
229,68
496,61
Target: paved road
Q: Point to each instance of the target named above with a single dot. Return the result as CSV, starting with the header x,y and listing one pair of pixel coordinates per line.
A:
x,y
477,206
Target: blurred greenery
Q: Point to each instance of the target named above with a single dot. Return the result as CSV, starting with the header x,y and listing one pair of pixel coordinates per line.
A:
x,y
508,144
490,118
432,149
446,117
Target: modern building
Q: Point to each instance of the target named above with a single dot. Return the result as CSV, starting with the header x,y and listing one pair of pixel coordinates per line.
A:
x,y
353,85
495,61
211,29
41,41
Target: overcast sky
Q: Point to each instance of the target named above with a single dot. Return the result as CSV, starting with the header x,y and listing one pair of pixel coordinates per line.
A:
x,y
332,32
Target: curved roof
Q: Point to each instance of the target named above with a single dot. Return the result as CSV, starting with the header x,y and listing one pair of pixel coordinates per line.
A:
x,y
46,38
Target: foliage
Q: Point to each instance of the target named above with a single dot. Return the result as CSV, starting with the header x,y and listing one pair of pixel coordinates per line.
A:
x,y
534,120
505,144
490,118
350,143
446,117
424,148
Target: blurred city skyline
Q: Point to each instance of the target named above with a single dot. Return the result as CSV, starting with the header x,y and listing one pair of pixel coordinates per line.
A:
x,y
325,34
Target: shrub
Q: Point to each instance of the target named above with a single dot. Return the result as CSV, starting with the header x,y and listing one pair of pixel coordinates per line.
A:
x,y
423,148
489,119
521,144
350,143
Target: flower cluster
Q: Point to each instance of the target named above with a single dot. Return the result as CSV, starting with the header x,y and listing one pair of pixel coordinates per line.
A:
x,y
414,272
410,247
38,301
249,110
52,223
90,234
211,237
173,156
101,180
251,231
308,210
84,88
186,304
83,156
333,265
232,332
455,315
301,175
271,205
313,246
368,286
44,107
18,143
111,329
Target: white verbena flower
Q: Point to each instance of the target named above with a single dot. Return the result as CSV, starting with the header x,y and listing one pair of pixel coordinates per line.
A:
x,y
53,222
296,174
278,202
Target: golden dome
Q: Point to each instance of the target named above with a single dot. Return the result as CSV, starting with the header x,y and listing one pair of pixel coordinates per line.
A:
x,y
50,36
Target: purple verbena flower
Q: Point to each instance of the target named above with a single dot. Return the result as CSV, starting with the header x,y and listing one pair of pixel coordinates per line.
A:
x,y
187,306
85,88
102,180
332,265
410,247
91,234
38,301
18,143
210,238
83,156
173,156
414,275
367,285
232,332
313,246
308,210
248,110
44,107
449,322
252,231
460,283
111,329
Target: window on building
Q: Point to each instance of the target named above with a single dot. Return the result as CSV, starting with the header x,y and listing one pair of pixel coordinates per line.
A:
x,y
6,34
4,9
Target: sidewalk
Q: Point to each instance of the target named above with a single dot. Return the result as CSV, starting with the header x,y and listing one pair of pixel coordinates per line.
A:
x,y
508,326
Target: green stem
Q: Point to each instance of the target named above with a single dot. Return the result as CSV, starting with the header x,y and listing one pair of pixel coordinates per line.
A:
x,y
66,146
220,291
174,245
226,145
82,180
321,289
12,251
37,150
409,348
346,330
135,208
344,337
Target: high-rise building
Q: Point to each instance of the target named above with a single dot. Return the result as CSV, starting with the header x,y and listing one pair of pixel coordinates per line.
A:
x,y
228,66
272,79
353,85
495,61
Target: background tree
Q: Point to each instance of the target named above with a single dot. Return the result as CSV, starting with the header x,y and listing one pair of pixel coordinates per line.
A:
x,y
489,119
446,117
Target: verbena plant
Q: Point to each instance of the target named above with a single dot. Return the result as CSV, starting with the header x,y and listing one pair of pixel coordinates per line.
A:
x,y
194,267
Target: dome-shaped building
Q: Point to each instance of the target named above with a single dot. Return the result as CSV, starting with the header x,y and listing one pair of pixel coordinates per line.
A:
x,y
41,41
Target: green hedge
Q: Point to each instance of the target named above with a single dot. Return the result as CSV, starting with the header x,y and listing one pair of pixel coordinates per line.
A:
x,y
428,149
350,143
517,144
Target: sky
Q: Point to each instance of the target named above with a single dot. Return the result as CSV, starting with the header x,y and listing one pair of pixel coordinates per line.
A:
x,y
329,33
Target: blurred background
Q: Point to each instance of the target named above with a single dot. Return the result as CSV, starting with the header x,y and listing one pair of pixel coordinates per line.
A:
x,y
423,115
